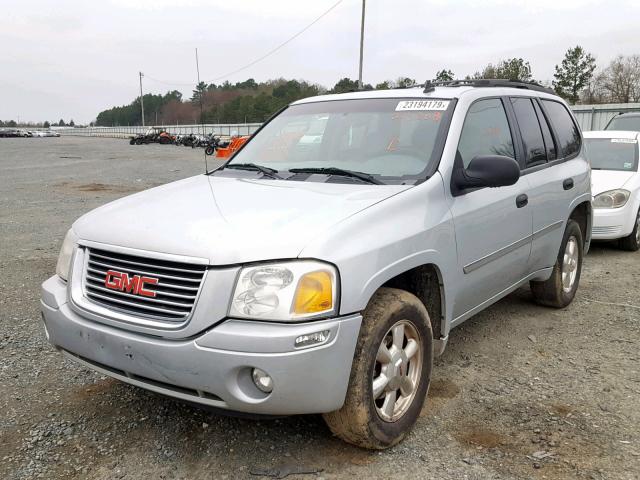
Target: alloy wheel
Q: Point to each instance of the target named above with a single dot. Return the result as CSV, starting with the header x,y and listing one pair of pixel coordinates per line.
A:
x,y
570,264
397,371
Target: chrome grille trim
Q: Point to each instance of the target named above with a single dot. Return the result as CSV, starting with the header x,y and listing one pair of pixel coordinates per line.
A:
x,y
606,230
118,266
129,262
177,290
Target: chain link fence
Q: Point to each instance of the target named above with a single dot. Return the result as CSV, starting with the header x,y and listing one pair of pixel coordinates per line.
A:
x,y
226,129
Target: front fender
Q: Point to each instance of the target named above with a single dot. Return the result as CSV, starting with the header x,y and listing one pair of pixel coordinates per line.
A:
x,y
408,230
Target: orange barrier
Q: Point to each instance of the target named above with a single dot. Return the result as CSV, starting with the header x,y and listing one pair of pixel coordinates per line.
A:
x,y
234,145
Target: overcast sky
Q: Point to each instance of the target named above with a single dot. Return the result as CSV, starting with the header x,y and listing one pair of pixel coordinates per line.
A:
x,y
72,59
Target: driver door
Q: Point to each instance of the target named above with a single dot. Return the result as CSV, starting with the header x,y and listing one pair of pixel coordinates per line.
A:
x,y
493,225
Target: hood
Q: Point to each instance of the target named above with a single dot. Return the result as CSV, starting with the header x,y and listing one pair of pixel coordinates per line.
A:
x,y
228,220
605,180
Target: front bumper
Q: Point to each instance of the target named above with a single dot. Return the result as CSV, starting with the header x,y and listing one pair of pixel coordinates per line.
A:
x,y
214,368
613,223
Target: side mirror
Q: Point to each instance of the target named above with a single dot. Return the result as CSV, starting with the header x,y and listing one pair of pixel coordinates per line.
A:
x,y
487,171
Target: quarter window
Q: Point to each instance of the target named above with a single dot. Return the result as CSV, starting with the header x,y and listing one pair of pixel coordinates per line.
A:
x,y
566,130
485,131
530,129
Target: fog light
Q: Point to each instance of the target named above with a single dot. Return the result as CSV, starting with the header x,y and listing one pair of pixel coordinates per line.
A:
x,y
310,339
262,380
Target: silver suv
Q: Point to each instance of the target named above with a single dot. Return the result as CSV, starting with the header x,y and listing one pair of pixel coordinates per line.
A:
x,y
322,268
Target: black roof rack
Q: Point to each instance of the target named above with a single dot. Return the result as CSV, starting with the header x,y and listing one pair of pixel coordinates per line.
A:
x,y
484,82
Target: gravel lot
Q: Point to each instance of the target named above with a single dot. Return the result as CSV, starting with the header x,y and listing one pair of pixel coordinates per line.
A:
x,y
521,392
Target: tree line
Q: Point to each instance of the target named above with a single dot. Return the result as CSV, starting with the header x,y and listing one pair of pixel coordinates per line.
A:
x,y
13,124
576,79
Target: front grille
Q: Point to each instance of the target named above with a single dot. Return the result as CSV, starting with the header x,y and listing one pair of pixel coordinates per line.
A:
x,y
176,291
606,230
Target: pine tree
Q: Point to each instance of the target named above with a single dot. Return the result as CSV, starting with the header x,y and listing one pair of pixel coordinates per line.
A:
x,y
574,74
444,75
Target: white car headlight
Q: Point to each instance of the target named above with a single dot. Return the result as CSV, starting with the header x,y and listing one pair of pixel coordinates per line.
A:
x,y
66,252
287,291
611,199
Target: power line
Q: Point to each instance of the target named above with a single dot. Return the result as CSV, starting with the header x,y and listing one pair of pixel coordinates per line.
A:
x,y
259,59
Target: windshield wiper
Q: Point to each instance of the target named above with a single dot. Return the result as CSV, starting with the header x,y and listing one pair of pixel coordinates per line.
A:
x,y
268,172
365,177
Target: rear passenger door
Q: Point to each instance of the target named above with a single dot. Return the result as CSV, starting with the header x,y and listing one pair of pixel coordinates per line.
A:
x,y
493,225
550,142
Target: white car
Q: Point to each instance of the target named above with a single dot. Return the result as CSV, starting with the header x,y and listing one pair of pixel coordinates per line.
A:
x,y
615,185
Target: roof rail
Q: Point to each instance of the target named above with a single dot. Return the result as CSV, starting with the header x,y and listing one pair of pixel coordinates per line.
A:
x,y
484,82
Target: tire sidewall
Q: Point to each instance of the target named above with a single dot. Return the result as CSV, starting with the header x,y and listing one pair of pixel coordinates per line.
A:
x,y
572,230
390,433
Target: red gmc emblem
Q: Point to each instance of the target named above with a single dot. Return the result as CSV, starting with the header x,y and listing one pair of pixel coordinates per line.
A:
x,y
136,284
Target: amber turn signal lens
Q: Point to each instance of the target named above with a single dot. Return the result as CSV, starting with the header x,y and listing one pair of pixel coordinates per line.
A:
x,y
314,293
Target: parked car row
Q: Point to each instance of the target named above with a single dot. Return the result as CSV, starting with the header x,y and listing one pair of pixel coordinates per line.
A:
x,y
324,266
20,132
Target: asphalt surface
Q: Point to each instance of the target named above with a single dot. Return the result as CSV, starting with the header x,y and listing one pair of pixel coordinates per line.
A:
x,y
522,391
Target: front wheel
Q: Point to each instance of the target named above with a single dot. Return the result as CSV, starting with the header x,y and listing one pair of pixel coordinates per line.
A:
x,y
209,150
560,289
632,242
390,374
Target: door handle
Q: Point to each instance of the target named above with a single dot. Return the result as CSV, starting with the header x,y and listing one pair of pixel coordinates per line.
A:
x,y
522,201
568,184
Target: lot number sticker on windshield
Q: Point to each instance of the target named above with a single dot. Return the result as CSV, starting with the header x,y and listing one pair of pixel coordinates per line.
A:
x,y
411,105
623,140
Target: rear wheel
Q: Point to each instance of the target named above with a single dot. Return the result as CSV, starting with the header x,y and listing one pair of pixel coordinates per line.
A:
x,y
632,242
390,374
560,289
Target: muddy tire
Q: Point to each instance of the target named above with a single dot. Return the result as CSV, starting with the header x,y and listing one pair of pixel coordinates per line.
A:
x,y
560,289
632,242
388,385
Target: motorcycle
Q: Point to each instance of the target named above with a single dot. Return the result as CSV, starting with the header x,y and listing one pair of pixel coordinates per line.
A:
x,y
212,145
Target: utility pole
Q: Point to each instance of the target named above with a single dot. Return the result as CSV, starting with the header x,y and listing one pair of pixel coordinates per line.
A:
x,y
206,163
198,86
361,45
141,100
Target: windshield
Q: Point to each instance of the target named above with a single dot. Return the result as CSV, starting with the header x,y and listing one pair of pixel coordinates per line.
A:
x,y
612,153
392,140
631,123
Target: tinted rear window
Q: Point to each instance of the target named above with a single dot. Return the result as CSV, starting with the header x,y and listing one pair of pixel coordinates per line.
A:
x,y
625,123
567,131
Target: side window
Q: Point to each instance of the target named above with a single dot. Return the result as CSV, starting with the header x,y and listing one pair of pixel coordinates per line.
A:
x,y
535,150
485,131
567,132
549,142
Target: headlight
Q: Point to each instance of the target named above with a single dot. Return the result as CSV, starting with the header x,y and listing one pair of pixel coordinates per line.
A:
x,y
285,291
64,259
611,199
